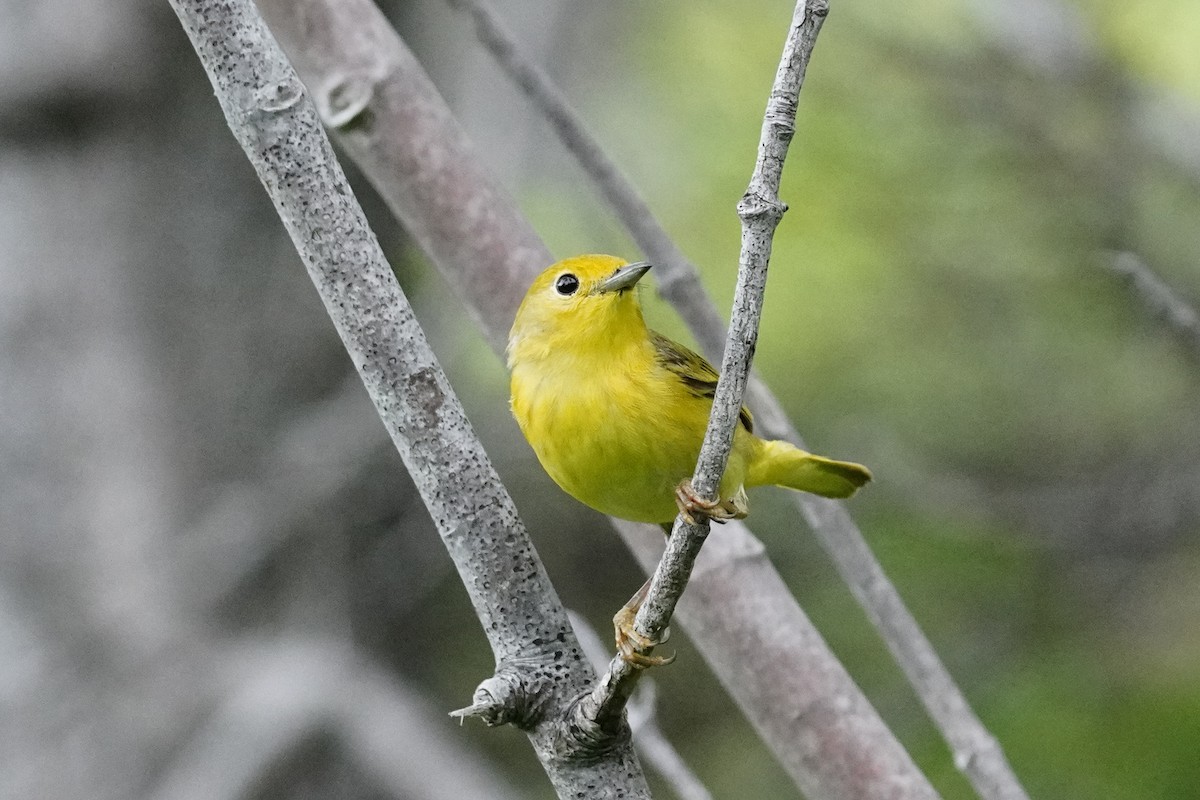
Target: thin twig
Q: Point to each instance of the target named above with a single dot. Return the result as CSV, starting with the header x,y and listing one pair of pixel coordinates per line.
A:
x,y
279,128
1161,300
773,662
976,752
760,211
278,695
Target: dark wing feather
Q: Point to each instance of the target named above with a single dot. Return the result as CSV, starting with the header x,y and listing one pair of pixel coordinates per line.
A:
x,y
693,371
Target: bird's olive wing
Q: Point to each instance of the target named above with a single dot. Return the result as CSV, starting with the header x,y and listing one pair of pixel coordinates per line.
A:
x,y
696,374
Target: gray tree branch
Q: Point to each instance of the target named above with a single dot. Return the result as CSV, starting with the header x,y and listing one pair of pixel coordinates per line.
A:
x,y
674,276
1160,299
760,211
277,125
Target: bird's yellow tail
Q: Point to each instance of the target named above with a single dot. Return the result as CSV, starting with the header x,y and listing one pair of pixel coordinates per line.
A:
x,y
783,464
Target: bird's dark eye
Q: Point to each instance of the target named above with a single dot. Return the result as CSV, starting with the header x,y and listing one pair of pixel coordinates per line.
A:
x,y
566,284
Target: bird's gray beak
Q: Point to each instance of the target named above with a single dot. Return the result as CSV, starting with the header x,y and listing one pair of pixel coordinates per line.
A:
x,y
624,278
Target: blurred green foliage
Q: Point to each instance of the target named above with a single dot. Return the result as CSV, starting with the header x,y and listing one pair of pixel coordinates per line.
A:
x,y
939,308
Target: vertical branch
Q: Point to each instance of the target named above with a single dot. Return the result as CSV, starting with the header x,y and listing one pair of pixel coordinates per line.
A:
x,y
760,211
540,665
652,744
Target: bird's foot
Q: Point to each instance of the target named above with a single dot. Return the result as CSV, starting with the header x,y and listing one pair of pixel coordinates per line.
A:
x,y
692,505
631,644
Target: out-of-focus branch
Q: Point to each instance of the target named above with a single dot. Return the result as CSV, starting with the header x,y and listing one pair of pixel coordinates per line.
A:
x,y
777,668
315,458
1055,39
277,125
847,774
288,690
846,749
674,275
1160,299
976,751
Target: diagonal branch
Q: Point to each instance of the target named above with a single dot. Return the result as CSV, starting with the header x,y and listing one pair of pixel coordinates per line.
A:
x,y
674,276
976,751
1159,298
277,125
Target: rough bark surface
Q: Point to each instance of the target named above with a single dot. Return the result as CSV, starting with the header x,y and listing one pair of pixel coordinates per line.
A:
x,y
277,125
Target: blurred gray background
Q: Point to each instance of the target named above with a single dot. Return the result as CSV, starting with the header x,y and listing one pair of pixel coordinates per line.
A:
x,y
216,580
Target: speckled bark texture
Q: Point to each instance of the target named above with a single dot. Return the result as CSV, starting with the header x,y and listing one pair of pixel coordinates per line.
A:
x,y
351,60
276,123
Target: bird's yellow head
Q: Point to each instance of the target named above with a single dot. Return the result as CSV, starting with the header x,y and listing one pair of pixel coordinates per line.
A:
x,y
578,306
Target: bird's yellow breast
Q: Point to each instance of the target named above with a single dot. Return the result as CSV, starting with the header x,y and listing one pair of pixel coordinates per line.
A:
x,y
617,433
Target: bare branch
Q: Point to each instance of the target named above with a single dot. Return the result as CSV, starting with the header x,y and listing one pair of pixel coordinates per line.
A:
x,y
778,669
760,212
1159,298
279,129
352,59
674,275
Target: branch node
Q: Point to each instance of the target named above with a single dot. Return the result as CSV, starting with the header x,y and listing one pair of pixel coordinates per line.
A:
x,y
754,207
280,95
513,695
587,733
345,99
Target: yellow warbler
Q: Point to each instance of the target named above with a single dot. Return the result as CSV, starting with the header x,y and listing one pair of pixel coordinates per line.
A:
x,y
616,413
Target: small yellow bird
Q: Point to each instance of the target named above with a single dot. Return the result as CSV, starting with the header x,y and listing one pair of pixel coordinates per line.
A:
x,y
616,413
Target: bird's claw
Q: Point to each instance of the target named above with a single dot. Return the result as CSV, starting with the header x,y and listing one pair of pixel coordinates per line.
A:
x,y
632,645
692,505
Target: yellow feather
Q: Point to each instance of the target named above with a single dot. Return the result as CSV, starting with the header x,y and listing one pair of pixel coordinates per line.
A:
x,y
616,413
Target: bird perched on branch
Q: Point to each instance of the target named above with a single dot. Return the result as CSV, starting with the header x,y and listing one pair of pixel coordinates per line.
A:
x,y
616,413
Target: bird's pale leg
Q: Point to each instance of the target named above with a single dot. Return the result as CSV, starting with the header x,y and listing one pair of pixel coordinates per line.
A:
x,y
629,641
692,505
